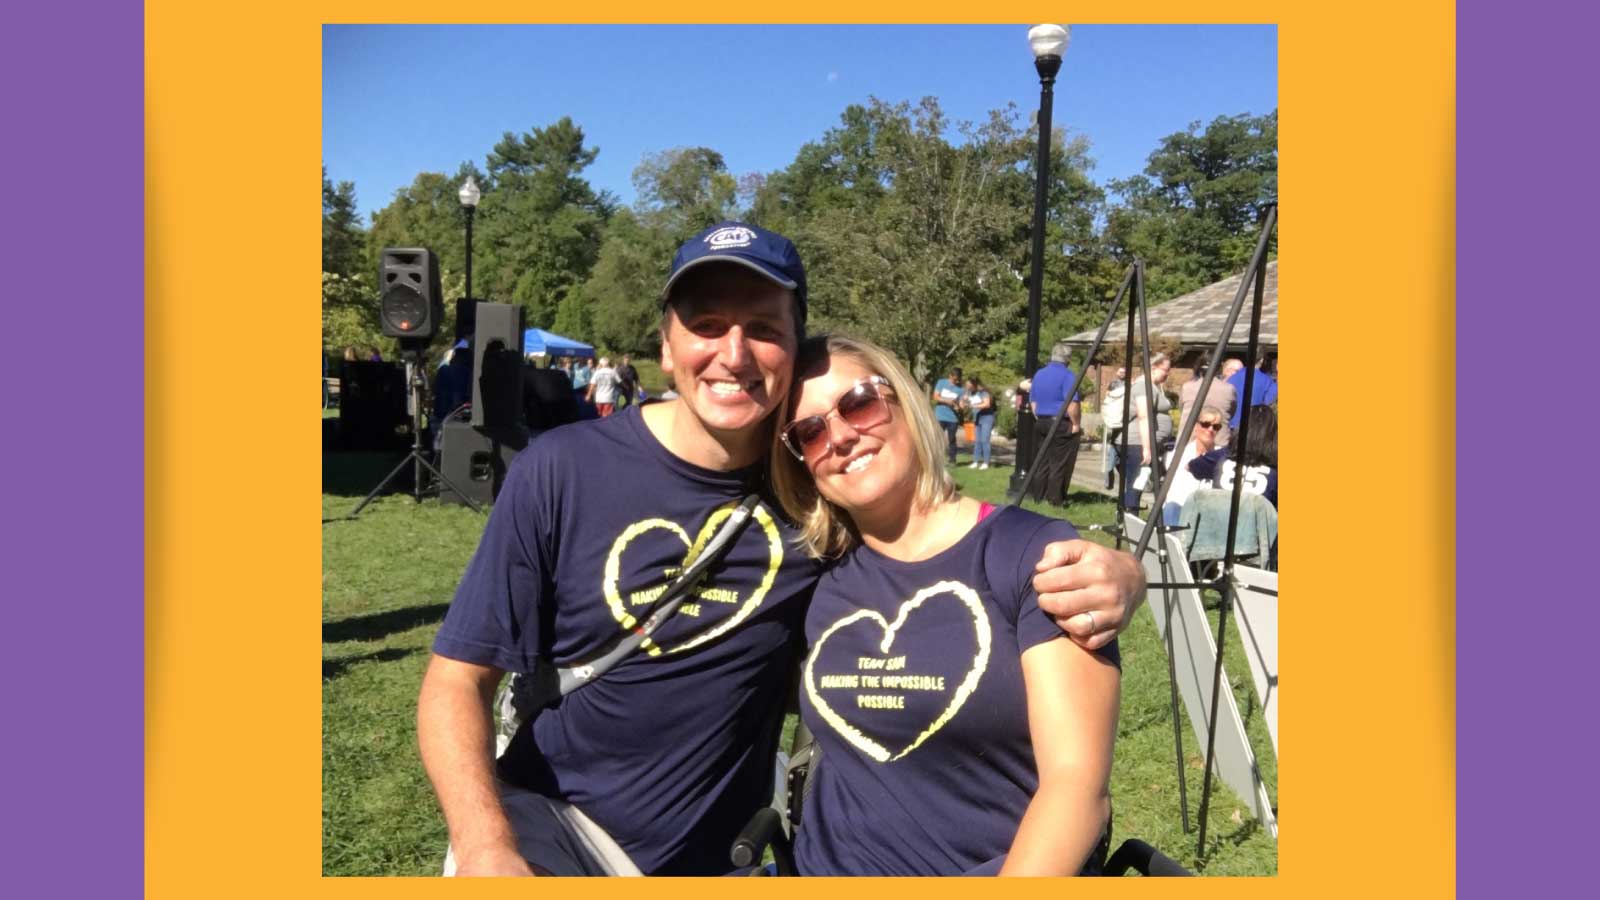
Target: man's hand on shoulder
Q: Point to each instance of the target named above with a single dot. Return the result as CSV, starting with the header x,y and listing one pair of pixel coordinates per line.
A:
x,y
1091,591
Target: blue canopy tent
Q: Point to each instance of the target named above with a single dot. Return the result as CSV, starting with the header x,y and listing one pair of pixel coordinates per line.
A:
x,y
538,342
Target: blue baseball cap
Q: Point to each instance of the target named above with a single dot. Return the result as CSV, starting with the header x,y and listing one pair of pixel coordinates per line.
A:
x,y
765,252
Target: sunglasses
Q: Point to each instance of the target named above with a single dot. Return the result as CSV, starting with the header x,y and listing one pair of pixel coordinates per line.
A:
x,y
863,406
1214,426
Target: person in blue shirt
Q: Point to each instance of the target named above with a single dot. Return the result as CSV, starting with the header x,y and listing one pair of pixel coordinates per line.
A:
x,y
947,395
655,766
1263,387
959,732
980,403
1052,387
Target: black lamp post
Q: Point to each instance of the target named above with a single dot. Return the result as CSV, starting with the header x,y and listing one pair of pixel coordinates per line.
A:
x,y
1049,43
469,203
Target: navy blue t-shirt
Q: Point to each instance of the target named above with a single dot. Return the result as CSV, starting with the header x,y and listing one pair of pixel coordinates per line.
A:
x,y
670,751
914,690
1051,388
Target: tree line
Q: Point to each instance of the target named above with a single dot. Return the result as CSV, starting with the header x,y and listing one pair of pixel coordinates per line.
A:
x,y
914,229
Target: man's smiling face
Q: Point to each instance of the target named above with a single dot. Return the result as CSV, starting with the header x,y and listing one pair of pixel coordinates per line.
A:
x,y
728,343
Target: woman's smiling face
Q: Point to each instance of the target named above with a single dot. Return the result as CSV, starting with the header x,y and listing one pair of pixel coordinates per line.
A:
x,y
864,468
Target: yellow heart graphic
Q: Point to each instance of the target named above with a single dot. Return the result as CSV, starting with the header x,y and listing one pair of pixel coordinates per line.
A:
x,y
613,572
980,662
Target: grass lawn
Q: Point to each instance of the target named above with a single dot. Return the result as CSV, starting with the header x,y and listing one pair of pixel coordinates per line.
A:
x,y
389,576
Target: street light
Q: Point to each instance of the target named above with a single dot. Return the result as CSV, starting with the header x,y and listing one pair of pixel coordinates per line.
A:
x,y
469,202
1049,44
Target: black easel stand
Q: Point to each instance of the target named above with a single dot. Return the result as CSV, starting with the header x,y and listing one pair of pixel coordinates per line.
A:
x,y
1137,309
414,385
1255,274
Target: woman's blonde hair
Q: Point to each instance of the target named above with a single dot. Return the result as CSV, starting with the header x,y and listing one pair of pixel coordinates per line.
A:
x,y
825,529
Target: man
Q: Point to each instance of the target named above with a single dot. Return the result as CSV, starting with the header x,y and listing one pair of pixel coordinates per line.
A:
x,y
947,394
1221,395
1263,387
654,766
628,381
604,385
1053,386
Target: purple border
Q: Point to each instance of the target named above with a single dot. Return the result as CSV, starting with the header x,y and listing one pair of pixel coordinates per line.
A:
x,y
73,455
1526,620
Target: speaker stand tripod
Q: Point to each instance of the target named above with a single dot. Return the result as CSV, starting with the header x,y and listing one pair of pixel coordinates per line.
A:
x,y
414,385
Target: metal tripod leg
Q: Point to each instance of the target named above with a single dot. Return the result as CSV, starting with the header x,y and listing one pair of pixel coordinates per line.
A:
x,y
447,483
1157,518
414,401
1258,267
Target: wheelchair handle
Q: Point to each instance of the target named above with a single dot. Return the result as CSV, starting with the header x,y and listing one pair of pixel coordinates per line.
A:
x,y
1146,860
756,835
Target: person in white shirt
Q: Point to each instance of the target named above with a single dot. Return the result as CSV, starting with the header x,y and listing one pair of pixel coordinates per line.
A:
x,y
603,387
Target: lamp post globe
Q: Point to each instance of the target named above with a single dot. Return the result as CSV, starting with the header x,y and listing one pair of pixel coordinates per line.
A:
x,y
469,193
469,196
1049,44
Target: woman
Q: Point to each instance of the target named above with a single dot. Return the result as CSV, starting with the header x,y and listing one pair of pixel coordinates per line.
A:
x,y
1142,444
1184,482
927,680
980,402
1258,458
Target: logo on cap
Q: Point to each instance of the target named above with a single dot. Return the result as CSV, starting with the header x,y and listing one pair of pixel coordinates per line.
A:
x,y
730,237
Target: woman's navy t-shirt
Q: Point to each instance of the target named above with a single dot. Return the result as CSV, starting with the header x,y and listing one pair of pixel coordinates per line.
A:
x,y
914,690
671,751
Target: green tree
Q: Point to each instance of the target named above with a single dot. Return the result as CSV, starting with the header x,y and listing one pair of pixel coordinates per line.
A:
x,y
620,297
1193,214
843,170
425,213
350,314
917,246
685,190
541,223
343,241
916,232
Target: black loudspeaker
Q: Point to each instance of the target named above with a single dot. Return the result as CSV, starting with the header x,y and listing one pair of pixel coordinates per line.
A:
x,y
547,399
372,407
497,365
475,462
411,306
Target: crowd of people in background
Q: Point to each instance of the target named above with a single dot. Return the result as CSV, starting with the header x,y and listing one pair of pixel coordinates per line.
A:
x,y
1204,469
1153,414
1210,460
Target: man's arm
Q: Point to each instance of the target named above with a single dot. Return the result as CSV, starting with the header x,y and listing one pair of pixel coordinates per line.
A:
x,y
1075,414
1076,578
455,734
1141,410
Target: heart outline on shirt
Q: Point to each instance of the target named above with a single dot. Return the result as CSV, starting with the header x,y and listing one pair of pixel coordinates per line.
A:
x,y
611,580
980,664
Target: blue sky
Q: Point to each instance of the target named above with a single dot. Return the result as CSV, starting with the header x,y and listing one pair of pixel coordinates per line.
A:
x,y
398,100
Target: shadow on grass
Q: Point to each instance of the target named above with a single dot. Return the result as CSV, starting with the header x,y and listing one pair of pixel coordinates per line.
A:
x,y
1216,841
353,474
379,625
333,668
